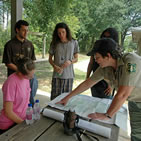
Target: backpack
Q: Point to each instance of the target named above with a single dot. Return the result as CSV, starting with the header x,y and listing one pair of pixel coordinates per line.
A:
x,y
70,125
70,122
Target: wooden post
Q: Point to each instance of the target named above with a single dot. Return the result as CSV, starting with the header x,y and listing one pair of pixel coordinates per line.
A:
x,y
139,47
136,38
16,14
44,46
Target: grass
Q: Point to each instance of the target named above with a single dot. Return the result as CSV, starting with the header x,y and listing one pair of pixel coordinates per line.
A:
x,y
44,74
3,73
82,57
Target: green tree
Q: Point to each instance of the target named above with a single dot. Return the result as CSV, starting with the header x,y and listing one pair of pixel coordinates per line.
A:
x,y
87,18
131,17
95,16
50,13
4,21
4,12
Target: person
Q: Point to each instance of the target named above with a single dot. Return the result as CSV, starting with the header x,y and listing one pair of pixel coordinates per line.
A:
x,y
63,53
102,89
123,70
16,94
19,46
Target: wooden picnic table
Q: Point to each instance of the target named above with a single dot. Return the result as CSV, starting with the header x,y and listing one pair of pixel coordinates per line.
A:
x,y
47,129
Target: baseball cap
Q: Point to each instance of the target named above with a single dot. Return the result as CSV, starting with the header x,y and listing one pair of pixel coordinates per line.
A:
x,y
103,45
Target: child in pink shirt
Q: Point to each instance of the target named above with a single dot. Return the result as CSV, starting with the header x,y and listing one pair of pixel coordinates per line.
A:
x,y
16,93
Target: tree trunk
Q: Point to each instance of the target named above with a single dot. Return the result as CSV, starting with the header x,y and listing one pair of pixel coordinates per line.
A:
x,y
123,35
92,41
3,17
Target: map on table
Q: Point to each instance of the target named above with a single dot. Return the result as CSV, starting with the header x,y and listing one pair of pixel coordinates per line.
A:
x,y
84,105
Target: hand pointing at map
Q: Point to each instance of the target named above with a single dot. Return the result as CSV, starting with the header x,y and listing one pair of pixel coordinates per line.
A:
x,y
82,87
64,100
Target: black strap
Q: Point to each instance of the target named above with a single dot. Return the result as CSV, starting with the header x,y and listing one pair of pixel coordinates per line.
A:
x,y
78,135
91,137
82,132
113,93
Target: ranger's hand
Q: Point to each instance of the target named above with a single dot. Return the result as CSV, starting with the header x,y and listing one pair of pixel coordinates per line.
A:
x,y
63,101
98,116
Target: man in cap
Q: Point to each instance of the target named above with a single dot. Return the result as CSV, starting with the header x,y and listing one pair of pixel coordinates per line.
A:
x,y
123,71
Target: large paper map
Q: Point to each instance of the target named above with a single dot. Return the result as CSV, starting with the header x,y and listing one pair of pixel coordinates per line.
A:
x,y
84,105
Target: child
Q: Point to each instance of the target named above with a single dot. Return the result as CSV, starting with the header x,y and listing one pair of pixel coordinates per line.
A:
x,y
63,53
16,94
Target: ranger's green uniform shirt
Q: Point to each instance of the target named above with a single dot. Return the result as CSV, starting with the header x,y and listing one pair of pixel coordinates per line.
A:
x,y
128,73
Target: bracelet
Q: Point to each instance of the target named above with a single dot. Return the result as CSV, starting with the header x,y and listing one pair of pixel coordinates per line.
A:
x,y
107,115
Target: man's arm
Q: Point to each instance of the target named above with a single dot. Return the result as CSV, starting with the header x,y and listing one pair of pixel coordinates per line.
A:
x,y
7,57
33,57
90,65
12,66
119,99
81,88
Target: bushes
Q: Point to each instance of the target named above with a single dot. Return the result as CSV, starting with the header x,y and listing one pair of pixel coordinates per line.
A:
x,y
4,37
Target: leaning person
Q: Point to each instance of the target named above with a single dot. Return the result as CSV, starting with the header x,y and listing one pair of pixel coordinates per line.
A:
x,y
63,53
16,94
124,72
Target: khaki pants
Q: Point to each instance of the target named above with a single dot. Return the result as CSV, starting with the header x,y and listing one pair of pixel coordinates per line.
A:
x,y
135,120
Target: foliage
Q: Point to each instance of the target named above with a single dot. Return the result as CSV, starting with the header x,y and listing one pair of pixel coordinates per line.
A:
x,y
51,12
129,45
94,17
131,17
4,12
4,20
4,36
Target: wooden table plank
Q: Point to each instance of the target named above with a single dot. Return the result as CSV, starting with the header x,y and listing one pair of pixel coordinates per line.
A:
x,y
56,133
114,131
114,128
47,129
23,132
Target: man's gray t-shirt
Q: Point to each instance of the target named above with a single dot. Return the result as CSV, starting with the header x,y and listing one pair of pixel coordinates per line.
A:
x,y
63,52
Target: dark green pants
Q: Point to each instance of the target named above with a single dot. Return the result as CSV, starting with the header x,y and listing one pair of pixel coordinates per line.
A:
x,y
135,120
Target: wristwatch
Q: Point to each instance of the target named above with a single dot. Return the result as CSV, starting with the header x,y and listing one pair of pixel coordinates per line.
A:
x,y
107,115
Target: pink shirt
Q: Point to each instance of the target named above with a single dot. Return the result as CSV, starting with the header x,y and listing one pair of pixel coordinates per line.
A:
x,y
17,91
